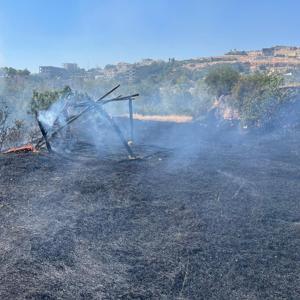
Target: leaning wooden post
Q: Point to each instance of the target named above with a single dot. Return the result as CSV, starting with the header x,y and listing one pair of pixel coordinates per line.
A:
x,y
117,129
131,119
43,131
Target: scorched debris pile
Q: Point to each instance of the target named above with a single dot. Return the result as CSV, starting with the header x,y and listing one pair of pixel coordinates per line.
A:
x,y
48,134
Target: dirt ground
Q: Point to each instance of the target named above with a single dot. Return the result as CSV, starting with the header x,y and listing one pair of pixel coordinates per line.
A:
x,y
204,215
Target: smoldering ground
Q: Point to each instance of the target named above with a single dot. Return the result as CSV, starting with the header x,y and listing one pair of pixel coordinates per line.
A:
x,y
206,214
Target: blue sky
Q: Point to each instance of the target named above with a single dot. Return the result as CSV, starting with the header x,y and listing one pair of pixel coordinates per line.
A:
x,y
98,32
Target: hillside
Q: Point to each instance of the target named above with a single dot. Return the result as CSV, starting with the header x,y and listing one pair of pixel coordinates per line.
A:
x,y
281,59
165,87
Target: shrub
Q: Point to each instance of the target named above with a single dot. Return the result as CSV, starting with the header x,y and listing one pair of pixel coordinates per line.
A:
x,y
9,135
221,80
43,100
257,97
3,123
15,134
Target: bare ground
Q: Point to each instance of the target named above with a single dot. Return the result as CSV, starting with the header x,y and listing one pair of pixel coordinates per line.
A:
x,y
216,220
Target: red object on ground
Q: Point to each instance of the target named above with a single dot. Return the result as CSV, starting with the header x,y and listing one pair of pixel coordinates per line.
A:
x,y
21,149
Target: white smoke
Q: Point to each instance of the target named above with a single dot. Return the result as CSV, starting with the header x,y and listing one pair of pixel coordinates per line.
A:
x,y
55,113
91,127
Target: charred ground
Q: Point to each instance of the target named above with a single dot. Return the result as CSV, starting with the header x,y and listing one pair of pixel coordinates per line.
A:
x,y
203,216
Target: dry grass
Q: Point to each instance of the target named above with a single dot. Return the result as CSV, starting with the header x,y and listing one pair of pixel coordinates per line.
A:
x,y
164,118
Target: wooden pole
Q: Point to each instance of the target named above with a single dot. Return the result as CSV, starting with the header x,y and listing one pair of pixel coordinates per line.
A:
x,y
131,119
44,133
117,129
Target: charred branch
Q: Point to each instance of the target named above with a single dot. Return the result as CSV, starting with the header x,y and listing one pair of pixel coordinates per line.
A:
x,y
130,97
44,133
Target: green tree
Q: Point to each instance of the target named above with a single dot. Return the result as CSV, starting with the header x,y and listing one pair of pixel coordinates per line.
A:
x,y
24,72
221,80
43,100
257,97
11,72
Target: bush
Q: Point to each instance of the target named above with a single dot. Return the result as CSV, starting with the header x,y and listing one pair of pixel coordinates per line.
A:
x,y
257,97
15,134
43,100
3,123
221,80
9,135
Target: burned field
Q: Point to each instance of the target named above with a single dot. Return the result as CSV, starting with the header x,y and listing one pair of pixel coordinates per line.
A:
x,y
216,220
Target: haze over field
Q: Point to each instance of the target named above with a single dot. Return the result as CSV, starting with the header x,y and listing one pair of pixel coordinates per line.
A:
x,y
149,149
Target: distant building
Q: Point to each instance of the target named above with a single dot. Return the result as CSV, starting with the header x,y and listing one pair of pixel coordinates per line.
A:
x,y
69,70
70,67
130,75
109,73
123,67
281,51
268,51
52,71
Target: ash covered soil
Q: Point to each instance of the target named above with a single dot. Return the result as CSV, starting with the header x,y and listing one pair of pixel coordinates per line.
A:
x,y
204,215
